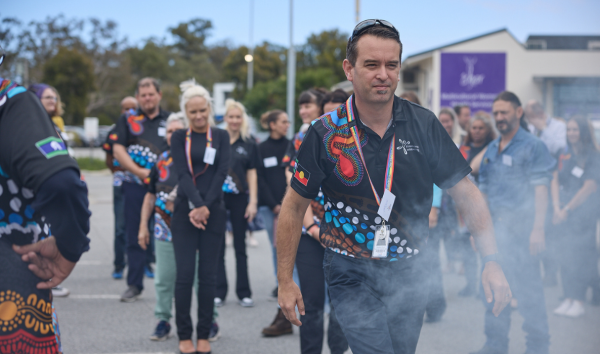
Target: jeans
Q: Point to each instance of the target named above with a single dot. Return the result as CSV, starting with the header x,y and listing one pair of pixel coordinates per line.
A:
x,y
236,204
120,242
522,271
379,305
436,303
133,196
269,218
309,261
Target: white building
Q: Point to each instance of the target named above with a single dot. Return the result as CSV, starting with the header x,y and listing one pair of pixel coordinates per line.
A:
x,y
562,72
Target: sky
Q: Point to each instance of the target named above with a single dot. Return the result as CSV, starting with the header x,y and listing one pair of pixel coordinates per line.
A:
x,y
423,24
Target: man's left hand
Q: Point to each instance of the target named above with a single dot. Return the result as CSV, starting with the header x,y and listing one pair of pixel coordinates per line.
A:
x,y
537,242
495,287
46,262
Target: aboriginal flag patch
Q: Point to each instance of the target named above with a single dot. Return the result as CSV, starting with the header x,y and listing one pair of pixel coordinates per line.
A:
x,y
301,174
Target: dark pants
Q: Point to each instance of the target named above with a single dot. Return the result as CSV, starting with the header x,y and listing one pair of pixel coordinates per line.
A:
x,y
436,303
120,242
379,305
133,196
236,204
309,261
523,274
469,258
579,260
187,241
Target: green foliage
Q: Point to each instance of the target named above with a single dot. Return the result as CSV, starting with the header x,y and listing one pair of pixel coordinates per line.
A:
x,y
325,50
72,74
91,164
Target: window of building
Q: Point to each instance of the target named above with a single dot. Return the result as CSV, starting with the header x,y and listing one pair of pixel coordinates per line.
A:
x,y
539,44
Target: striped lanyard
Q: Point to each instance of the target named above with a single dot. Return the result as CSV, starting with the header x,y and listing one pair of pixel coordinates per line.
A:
x,y
389,171
188,151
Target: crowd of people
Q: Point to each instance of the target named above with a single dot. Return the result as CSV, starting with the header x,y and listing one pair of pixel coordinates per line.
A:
x,y
516,186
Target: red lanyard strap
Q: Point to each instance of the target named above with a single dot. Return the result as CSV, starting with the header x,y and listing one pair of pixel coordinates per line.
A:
x,y
188,151
389,171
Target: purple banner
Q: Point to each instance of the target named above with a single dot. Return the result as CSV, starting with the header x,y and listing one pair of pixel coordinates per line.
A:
x,y
473,79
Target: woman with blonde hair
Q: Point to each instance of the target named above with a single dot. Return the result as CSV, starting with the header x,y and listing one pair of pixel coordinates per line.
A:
x,y
241,197
201,156
50,99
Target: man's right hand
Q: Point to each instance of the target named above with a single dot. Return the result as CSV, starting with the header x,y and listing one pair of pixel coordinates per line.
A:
x,y
495,287
289,296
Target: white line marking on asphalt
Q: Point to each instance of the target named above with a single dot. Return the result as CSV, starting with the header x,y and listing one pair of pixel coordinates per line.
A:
x,y
98,296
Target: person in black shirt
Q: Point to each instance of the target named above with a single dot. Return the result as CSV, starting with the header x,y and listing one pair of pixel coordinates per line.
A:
x,y
241,190
576,203
140,140
201,157
377,285
44,220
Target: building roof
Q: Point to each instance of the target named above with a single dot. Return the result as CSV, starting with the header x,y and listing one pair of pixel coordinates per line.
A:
x,y
459,42
542,42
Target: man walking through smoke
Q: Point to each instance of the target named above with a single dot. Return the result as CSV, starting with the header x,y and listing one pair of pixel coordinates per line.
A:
x,y
376,159
515,174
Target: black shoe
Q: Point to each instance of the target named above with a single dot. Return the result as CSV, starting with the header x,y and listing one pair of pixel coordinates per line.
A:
x,y
215,332
489,350
131,294
161,332
467,291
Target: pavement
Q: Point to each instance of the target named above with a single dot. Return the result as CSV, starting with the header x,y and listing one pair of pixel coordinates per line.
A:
x,y
93,320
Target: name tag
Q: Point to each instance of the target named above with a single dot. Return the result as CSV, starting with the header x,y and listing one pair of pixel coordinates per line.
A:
x,y
507,160
162,131
387,203
209,155
577,171
270,161
380,243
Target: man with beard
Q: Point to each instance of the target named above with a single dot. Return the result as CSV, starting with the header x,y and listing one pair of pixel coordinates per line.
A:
x,y
376,223
514,175
140,139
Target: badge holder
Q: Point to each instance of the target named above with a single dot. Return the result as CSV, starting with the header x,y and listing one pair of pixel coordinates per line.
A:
x,y
380,244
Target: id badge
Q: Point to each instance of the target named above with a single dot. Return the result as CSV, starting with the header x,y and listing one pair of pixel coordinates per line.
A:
x,y
380,243
209,155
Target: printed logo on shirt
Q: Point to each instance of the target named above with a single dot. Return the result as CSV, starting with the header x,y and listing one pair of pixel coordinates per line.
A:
x,y
51,147
285,159
240,150
164,168
405,146
301,174
113,137
135,124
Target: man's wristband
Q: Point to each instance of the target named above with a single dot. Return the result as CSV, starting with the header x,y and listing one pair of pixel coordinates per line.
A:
x,y
491,258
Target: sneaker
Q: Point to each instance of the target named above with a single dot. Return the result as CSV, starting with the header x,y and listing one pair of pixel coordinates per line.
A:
x,y
219,302
488,350
161,332
228,239
59,291
247,302
215,332
149,272
576,310
117,274
279,326
564,306
251,241
131,294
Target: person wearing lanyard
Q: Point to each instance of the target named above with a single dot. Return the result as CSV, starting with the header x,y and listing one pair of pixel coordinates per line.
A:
x,y
376,161
201,158
140,140
241,190
44,220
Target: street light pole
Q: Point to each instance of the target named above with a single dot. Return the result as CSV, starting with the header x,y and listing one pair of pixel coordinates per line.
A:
x,y
291,74
357,11
250,79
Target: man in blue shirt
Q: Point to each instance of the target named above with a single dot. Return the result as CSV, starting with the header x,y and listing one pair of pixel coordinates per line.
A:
x,y
514,175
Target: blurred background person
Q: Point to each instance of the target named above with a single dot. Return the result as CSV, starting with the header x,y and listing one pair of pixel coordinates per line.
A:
x,y
576,204
463,118
480,132
50,99
201,157
120,241
514,175
241,197
140,140
332,100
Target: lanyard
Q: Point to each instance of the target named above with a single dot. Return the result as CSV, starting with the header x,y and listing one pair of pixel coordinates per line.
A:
x,y
389,171
188,151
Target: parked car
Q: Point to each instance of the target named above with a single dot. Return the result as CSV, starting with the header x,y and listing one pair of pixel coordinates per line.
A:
x,y
76,136
103,131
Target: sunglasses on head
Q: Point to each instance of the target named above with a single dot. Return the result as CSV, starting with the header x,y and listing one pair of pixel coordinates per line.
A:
x,y
364,25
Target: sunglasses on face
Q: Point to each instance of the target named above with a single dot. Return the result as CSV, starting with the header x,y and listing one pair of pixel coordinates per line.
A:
x,y
364,25
51,98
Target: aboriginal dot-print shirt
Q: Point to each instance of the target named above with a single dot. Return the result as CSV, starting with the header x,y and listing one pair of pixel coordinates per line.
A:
x,y
328,159
143,138
163,178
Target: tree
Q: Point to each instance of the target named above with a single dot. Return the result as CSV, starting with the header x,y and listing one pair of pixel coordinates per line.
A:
x,y
190,37
325,50
72,74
